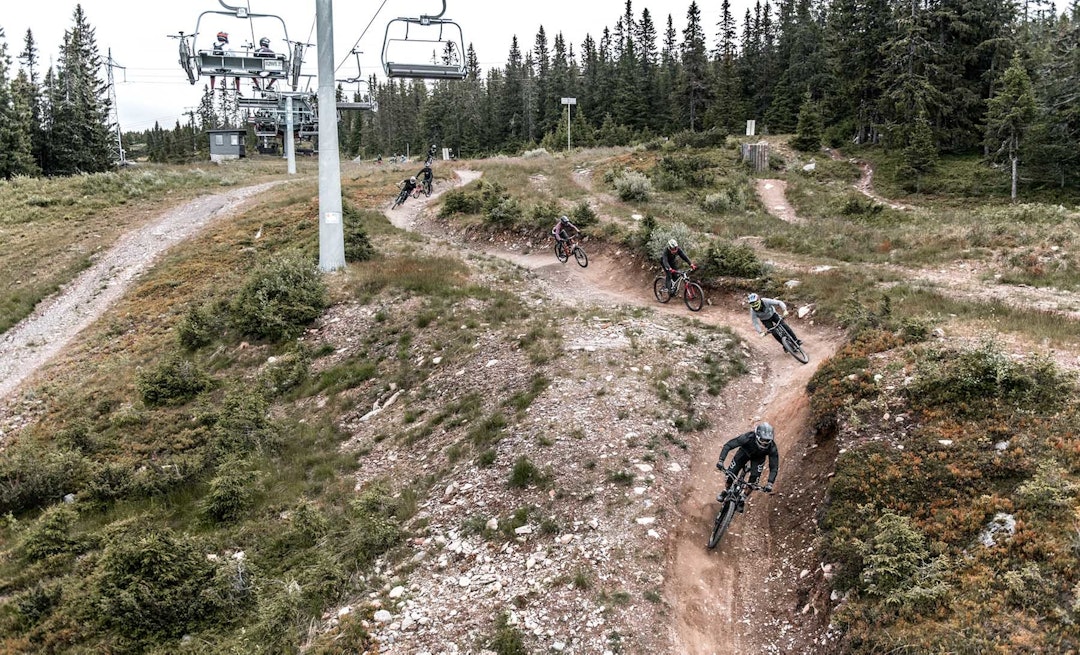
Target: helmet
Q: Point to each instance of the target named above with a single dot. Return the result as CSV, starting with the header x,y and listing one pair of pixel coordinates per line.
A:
x,y
223,37
672,244
754,300
264,42
763,433
412,179
564,220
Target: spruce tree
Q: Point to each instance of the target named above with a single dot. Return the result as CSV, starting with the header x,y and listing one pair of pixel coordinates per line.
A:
x,y
1009,114
693,83
16,156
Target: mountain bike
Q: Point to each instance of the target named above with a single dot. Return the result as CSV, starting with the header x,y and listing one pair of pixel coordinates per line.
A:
x,y
425,186
401,198
691,291
735,501
563,250
788,341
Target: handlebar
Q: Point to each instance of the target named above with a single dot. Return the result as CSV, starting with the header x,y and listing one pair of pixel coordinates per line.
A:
x,y
753,485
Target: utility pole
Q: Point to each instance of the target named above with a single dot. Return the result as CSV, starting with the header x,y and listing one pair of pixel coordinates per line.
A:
x,y
331,230
114,112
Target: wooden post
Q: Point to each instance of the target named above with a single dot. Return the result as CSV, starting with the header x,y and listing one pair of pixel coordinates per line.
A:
x,y
757,154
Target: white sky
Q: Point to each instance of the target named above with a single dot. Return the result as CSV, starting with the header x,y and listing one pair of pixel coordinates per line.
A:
x,y
156,88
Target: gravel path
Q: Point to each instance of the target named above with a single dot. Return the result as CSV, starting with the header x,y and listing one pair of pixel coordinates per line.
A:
x,y
57,320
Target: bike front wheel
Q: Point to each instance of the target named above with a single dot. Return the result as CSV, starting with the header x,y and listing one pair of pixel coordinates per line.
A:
x,y
693,296
794,349
560,253
660,289
720,525
400,199
581,257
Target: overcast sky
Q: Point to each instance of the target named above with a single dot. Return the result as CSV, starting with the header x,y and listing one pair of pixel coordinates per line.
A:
x,y
156,88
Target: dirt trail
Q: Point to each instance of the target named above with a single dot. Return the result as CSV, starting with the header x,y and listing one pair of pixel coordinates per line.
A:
x,y
713,594
865,183
56,322
773,194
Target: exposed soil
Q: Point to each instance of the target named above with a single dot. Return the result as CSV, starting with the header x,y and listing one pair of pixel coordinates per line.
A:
x,y
749,595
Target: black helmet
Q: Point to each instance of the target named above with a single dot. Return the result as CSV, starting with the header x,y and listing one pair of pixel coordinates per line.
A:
x,y
264,42
564,220
763,433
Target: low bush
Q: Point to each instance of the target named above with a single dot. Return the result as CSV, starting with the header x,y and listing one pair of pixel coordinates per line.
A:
x,y
202,325
712,138
174,381
51,534
661,234
631,185
231,492
358,247
279,299
152,585
32,476
545,213
525,473
583,214
733,260
241,425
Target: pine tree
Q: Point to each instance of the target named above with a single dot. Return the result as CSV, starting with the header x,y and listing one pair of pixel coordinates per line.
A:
x,y
920,155
1009,114
810,127
726,112
77,134
16,156
693,82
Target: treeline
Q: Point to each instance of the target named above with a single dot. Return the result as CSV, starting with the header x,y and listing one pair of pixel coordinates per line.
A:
x,y
55,122
924,77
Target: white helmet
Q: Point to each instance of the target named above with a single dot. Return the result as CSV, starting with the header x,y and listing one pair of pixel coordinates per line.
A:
x,y
672,244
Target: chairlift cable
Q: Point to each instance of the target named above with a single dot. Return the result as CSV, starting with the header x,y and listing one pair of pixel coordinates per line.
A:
x,y
361,37
251,24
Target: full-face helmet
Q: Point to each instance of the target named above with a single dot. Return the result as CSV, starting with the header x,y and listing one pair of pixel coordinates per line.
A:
x,y
763,434
264,42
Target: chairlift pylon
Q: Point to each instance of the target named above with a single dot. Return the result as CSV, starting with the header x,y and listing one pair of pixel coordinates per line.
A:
x,y
246,62
449,69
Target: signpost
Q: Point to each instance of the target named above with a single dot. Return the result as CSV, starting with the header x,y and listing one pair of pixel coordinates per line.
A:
x,y
568,102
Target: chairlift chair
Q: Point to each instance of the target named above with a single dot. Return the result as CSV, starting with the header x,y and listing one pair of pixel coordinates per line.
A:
x,y
245,63
362,99
392,54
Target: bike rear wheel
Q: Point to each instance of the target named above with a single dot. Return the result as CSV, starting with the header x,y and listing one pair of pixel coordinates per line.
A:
x,y
560,253
693,296
400,199
720,525
660,289
581,257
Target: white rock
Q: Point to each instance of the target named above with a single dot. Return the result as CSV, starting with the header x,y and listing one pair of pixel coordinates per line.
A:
x,y
644,468
646,520
674,467
344,611
945,442
436,360
492,524
397,591
654,534
1001,446
464,581
640,490
523,530
383,616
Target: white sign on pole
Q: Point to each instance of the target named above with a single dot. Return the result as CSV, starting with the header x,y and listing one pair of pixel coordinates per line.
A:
x,y
751,127
568,102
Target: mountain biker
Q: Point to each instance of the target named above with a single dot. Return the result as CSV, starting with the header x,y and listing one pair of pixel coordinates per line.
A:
x,y
408,184
562,229
219,49
426,174
763,316
753,447
264,51
667,262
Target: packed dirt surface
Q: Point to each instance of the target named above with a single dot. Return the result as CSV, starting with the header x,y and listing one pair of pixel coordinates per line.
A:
x,y
753,594
865,183
773,194
57,321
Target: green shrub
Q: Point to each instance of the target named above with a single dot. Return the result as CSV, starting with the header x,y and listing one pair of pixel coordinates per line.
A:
x,y
659,236
51,533
460,201
32,476
525,473
358,247
231,492
898,567
712,138
583,214
1049,493
279,299
632,185
504,213
201,325
241,425
734,260
983,381
38,602
152,584
285,372
545,213
506,640
174,381
675,172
